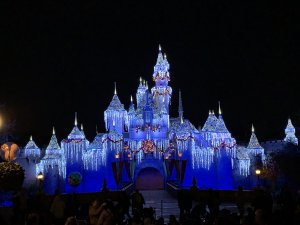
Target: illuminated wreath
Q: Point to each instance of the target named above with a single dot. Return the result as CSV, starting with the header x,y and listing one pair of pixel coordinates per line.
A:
x,y
74,179
148,146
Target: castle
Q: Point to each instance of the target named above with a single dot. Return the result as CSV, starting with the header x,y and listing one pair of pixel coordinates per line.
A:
x,y
148,147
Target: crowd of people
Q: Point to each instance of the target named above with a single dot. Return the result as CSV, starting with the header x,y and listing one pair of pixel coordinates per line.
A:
x,y
264,209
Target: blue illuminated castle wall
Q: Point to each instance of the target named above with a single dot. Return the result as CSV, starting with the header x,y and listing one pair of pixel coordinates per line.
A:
x,y
145,135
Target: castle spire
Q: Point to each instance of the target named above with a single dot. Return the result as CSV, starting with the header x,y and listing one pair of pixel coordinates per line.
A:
x,y
220,111
290,133
131,99
180,107
115,92
75,121
159,47
252,128
30,138
81,127
53,130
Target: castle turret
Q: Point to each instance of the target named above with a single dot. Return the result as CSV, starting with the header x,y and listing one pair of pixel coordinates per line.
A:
x,y
32,151
148,111
73,148
117,114
161,77
220,125
290,133
254,147
131,112
53,166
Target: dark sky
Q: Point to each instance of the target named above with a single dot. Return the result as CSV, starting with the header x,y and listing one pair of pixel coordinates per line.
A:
x,y
59,57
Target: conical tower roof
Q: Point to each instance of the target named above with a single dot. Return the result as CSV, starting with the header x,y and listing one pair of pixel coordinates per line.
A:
x,y
289,128
211,122
31,144
76,133
220,126
253,143
131,109
162,65
53,148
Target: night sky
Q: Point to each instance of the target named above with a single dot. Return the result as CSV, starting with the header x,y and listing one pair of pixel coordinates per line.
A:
x,y
58,57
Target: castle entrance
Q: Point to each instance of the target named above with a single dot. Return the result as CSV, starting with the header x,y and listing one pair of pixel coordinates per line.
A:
x,y
149,178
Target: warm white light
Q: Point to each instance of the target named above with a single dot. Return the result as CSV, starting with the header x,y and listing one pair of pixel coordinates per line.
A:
x,y
257,171
40,176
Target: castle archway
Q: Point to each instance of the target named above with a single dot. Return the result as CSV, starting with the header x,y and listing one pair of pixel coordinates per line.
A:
x,y
149,178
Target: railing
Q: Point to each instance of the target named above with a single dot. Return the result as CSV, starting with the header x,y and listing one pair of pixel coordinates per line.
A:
x,y
128,188
172,188
164,209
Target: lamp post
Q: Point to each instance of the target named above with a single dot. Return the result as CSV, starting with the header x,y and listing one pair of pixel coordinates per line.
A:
x,y
257,172
40,178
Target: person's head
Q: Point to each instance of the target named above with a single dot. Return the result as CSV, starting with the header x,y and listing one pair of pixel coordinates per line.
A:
x,y
71,221
260,216
160,221
95,203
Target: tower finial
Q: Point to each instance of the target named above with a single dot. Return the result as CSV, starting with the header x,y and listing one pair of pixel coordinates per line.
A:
x,y
115,88
53,130
141,80
180,107
252,128
96,129
147,84
165,56
75,122
30,138
220,111
131,99
81,128
159,47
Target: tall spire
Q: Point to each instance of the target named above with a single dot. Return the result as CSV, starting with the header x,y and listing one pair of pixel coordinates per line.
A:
x,y
159,47
220,111
290,133
96,129
180,107
30,138
253,142
131,99
75,121
115,92
53,130
81,127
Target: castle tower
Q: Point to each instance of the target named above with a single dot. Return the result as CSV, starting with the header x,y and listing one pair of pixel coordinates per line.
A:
x,y
161,77
32,151
148,111
131,113
290,133
53,166
73,148
254,147
141,94
115,113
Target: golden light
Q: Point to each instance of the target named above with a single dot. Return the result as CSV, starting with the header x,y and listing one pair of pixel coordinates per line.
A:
x,y
40,176
257,171
117,156
1,121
